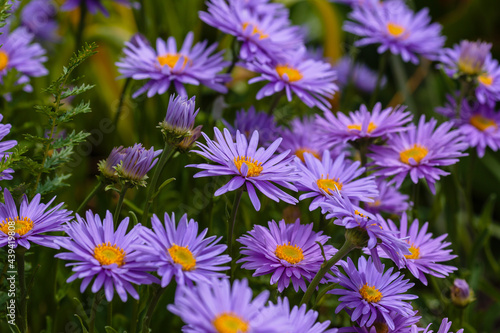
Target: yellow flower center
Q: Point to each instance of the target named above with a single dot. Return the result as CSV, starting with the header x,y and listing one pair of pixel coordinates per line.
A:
x,y
370,294
371,127
482,123
292,254
229,322
415,252
327,184
18,225
417,152
301,151
254,167
381,327
108,254
255,30
4,60
395,29
182,256
375,203
485,79
171,59
292,73
469,65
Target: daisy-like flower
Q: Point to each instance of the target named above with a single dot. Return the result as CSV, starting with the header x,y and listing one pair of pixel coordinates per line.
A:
x,y
357,74
93,6
287,251
20,53
397,29
178,250
427,253
488,83
107,166
136,163
263,35
477,122
218,307
251,167
443,328
97,250
179,120
372,294
362,124
313,81
249,121
389,200
166,65
466,58
4,146
321,178
419,151
30,223
39,17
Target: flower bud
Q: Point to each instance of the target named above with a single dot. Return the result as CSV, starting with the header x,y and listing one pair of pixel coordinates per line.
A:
x,y
461,295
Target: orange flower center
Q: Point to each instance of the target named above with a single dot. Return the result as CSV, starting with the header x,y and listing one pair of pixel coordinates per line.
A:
x,y
254,167
229,322
327,184
108,254
18,225
415,252
371,127
301,151
395,29
183,256
485,79
292,254
171,59
370,294
417,152
4,60
255,30
292,73
482,123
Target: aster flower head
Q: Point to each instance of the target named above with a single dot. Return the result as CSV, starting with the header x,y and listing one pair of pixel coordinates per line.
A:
x,y
30,223
461,294
287,251
443,328
219,307
107,167
93,6
397,29
357,74
402,324
189,141
321,178
389,200
466,58
167,65
179,120
99,251
264,35
249,121
488,83
39,17
311,80
136,163
176,249
4,146
255,168
372,294
419,152
427,253
362,124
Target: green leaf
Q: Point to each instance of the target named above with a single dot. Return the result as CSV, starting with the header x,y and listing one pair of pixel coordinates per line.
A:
x,y
36,139
110,329
165,183
81,323
58,157
67,116
71,139
77,90
53,184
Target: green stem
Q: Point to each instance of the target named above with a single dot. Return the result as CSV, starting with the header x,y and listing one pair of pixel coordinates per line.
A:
x,y
157,293
81,24
109,316
135,315
414,197
118,209
230,228
325,268
84,203
168,151
401,79
323,292
97,299
120,102
23,302
275,102
381,69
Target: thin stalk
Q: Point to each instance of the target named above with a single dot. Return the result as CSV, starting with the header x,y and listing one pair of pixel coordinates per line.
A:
x,y
414,197
157,293
235,49
232,220
81,24
275,102
97,299
118,209
97,188
168,151
325,268
121,100
381,69
109,315
23,302
460,97
135,315
401,79
323,292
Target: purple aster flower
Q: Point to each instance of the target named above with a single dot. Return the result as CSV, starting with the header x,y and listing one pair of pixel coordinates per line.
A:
x,y
372,294
107,166
389,200
179,120
136,163
20,53
465,58
402,324
4,146
249,121
418,152
39,17
252,167
427,253
97,250
220,307
311,80
396,28
93,6
357,74
178,250
263,35
287,251
443,328
488,83
321,178
264,7
30,222
461,294
362,124
166,65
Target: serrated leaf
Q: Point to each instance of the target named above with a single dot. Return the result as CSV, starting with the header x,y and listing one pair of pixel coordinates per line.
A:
x,y
71,139
36,139
67,116
77,90
58,157
47,110
32,166
53,184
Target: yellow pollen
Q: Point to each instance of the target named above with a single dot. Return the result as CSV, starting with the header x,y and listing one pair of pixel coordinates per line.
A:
x,y
255,30
292,73
482,123
395,29
182,256
254,167
417,152
415,252
108,254
229,322
4,60
381,327
371,127
171,59
292,254
485,79
300,153
360,214
327,184
21,225
370,294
